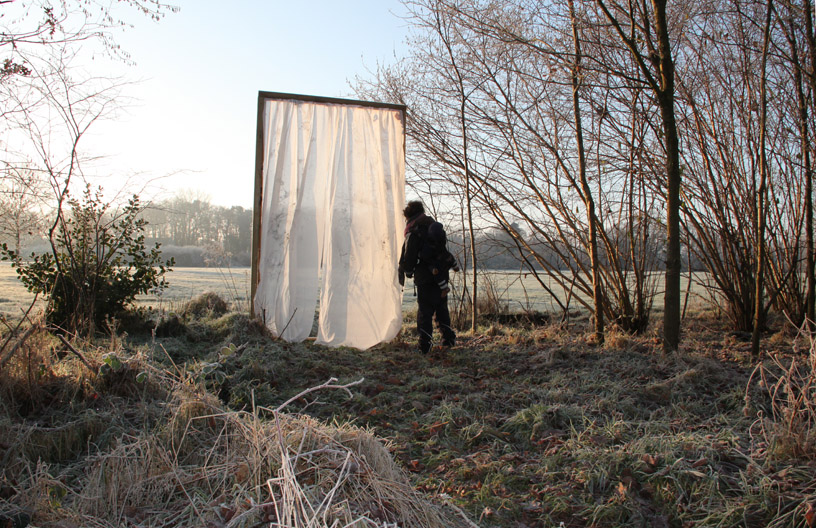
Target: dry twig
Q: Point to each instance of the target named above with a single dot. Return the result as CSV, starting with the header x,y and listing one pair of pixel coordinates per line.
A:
x,y
27,334
78,354
330,384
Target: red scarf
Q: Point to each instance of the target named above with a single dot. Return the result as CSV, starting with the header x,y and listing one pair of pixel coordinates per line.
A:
x,y
413,221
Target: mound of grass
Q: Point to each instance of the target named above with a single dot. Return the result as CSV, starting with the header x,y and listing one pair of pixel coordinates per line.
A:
x,y
125,441
208,304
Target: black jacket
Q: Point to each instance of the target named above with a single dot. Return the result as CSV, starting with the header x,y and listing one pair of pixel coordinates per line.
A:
x,y
409,258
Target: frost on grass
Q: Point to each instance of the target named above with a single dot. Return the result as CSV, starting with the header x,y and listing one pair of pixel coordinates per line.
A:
x,y
167,453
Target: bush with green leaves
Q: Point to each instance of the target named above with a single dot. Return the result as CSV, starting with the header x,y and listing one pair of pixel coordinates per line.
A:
x,y
99,263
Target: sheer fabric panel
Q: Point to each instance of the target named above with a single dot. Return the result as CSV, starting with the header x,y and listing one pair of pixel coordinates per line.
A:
x,y
333,189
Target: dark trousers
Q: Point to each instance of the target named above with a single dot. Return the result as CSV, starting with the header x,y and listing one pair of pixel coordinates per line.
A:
x,y
431,302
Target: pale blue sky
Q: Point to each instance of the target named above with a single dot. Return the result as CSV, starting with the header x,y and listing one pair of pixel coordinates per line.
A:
x,y
201,70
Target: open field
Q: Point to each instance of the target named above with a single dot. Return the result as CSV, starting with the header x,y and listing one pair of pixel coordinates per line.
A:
x,y
519,292
185,283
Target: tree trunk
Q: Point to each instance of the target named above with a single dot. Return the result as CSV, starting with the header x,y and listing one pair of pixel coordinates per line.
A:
x,y
804,131
759,309
671,301
810,259
586,190
463,99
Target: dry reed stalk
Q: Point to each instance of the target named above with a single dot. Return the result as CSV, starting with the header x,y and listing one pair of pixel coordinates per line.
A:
x,y
7,354
190,462
323,481
789,430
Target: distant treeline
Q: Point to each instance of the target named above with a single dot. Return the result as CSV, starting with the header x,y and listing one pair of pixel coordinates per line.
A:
x,y
198,233
497,249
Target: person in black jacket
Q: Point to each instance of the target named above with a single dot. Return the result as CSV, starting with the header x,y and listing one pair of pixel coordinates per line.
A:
x,y
430,299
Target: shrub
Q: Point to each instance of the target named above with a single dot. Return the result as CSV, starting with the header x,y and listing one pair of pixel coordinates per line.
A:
x,y
99,263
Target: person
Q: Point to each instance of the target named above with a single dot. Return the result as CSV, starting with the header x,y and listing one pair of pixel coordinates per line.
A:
x,y
419,257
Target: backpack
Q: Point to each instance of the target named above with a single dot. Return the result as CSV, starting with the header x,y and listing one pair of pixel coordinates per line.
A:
x,y
434,251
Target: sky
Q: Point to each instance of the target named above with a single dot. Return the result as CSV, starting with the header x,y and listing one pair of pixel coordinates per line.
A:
x,y
191,129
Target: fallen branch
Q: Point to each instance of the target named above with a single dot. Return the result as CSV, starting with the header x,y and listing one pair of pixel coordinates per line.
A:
x,y
80,356
327,385
288,323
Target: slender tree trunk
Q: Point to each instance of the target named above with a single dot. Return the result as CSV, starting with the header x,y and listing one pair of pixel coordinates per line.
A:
x,y
586,190
671,301
804,131
472,234
474,308
759,308
810,258
463,98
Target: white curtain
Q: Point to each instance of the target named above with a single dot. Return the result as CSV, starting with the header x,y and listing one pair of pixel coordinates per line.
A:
x,y
331,222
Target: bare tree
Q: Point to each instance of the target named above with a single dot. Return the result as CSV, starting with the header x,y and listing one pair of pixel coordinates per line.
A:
x,y
40,39
48,102
442,26
569,110
22,207
810,36
646,35
522,164
592,221
761,195
721,90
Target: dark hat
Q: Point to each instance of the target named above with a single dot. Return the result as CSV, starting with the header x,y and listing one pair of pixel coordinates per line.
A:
x,y
413,208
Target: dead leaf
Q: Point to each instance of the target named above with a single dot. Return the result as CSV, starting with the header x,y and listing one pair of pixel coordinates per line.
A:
x,y
416,465
434,428
699,463
227,513
810,516
621,490
242,473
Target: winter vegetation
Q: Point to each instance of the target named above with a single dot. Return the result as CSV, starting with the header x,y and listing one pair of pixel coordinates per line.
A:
x,y
625,137
605,151
199,417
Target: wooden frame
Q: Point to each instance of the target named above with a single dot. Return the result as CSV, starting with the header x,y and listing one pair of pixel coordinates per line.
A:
x,y
257,203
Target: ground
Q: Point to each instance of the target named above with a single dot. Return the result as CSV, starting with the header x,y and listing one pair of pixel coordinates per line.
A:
x,y
535,425
526,425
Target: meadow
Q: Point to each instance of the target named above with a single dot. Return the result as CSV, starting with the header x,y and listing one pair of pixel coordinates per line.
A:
x,y
184,283
203,413
204,419
513,290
